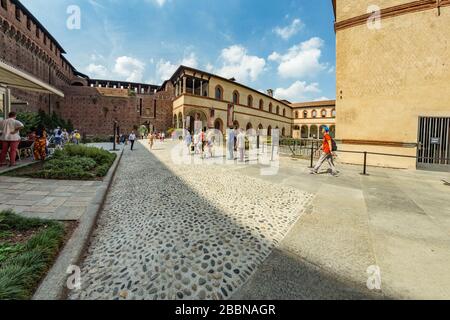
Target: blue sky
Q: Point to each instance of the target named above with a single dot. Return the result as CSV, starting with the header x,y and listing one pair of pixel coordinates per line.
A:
x,y
285,45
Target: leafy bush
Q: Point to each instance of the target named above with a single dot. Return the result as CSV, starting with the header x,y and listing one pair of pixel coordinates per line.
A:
x,y
74,162
100,156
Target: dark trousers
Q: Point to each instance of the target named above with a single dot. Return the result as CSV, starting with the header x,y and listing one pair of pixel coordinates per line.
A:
x,y
132,144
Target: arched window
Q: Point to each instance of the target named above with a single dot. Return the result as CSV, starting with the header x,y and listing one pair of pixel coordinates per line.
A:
x,y
284,112
219,93
323,113
269,131
250,101
236,97
305,114
278,109
283,132
333,113
333,131
270,107
296,114
314,114
314,132
261,104
304,132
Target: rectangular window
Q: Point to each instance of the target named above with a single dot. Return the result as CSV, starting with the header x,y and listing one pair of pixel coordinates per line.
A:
x,y
45,39
2,103
18,14
4,5
29,24
38,34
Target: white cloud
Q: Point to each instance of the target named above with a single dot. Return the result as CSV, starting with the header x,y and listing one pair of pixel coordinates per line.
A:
x,y
190,61
165,68
322,99
297,91
160,3
301,60
97,71
238,64
287,32
209,67
131,68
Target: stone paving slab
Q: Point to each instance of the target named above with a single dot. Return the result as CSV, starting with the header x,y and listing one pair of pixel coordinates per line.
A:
x,y
47,199
401,217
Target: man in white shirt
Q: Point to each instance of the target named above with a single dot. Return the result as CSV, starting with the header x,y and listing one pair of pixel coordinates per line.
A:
x,y
132,139
10,138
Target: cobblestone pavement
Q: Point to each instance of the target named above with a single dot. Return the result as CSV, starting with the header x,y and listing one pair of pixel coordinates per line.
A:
x,y
183,232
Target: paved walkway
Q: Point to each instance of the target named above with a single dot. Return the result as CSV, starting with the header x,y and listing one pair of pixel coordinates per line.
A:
x,y
397,220
48,199
216,232
184,232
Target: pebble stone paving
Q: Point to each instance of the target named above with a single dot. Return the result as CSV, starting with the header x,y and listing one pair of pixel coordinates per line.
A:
x,y
183,232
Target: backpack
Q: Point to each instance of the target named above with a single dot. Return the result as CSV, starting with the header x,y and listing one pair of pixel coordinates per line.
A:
x,y
334,145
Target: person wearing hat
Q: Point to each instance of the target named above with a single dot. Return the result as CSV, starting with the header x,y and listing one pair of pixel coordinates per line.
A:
x,y
327,153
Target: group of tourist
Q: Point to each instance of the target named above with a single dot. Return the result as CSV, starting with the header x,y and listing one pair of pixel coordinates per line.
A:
x,y
200,143
38,139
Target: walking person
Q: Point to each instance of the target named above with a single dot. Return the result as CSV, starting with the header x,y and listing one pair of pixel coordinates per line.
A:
x,y
151,140
196,143
132,139
210,143
240,144
40,144
77,137
10,138
327,153
58,139
230,143
188,141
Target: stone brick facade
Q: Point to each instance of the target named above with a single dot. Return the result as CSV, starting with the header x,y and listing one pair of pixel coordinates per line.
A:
x,y
27,45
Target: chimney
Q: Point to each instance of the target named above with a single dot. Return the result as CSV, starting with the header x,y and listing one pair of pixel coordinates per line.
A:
x,y
270,92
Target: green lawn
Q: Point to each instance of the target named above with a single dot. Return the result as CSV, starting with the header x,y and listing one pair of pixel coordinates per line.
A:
x,y
28,247
74,162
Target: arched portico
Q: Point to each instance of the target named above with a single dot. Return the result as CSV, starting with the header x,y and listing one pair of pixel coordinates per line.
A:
x,y
218,125
197,121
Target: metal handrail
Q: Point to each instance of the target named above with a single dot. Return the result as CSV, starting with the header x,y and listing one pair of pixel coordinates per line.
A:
x,y
365,153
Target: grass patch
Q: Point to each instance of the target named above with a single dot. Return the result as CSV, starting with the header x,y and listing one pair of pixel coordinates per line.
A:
x,y
74,162
24,263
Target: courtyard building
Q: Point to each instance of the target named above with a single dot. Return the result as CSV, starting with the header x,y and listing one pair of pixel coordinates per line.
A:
x,y
221,103
392,76
309,117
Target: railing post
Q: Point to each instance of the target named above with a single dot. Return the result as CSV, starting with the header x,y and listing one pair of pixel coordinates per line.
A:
x,y
114,136
312,154
365,163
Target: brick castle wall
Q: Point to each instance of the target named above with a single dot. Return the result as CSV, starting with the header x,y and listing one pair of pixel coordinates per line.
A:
x,y
89,110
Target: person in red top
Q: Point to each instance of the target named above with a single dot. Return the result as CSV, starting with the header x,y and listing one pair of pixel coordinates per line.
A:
x,y
327,153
